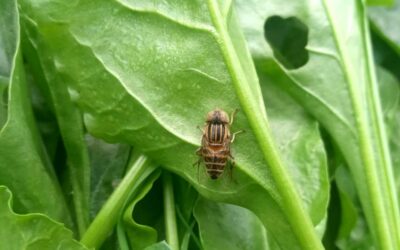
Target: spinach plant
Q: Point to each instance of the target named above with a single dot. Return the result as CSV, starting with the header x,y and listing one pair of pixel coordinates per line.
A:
x,y
101,100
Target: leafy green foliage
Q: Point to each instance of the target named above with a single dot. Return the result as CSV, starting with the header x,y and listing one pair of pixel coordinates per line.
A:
x,y
339,87
222,226
31,231
159,246
25,168
165,131
141,234
98,96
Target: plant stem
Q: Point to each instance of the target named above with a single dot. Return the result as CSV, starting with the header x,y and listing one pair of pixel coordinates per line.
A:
x,y
254,108
105,220
169,212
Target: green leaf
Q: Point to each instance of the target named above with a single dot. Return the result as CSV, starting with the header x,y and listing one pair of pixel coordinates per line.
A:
x,y
380,2
337,86
44,117
24,165
353,230
140,235
384,21
385,56
225,226
77,173
9,26
159,246
390,96
297,136
385,34
153,87
31,231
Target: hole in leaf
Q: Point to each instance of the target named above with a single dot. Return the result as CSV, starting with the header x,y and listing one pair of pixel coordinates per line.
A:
x,y
288,38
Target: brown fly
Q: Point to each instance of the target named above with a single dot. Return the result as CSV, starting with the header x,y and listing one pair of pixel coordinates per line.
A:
x,y
215,148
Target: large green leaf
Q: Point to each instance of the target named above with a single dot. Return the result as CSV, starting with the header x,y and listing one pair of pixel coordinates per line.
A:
x,y
24,164
337,85
225,226
31,231
146,73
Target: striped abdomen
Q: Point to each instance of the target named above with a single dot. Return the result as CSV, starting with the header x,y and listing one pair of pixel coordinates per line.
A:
x,y
215,164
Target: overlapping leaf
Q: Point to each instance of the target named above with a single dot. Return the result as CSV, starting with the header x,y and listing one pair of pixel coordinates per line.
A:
x,y
24,165
225,226
31,231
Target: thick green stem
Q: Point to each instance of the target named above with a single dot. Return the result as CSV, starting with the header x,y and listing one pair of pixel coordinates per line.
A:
x,y
108,216
169,212
254,108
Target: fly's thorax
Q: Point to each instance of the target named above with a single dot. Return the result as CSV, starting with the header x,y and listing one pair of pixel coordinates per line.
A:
x,y
217,133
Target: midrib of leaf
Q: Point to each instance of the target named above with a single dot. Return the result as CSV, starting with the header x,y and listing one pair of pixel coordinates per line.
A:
x,y
254,108
379,216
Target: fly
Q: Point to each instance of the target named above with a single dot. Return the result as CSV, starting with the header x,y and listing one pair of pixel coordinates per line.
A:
x,y
215,148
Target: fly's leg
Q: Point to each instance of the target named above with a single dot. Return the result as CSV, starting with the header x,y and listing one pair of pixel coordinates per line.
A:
x,y
231,156
231,163
197,162
234,134
198,152
233,115
198,166
232,118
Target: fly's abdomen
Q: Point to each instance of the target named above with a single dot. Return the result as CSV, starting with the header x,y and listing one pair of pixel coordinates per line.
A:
x,y
215,165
